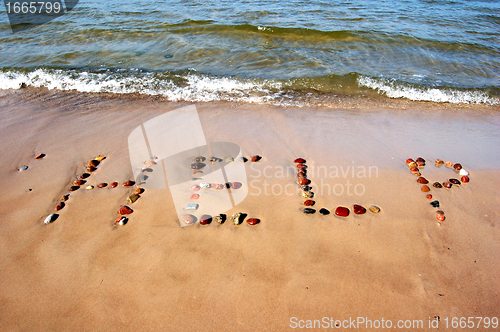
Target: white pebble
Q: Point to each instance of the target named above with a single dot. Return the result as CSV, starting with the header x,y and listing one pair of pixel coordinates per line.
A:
x,y
463,172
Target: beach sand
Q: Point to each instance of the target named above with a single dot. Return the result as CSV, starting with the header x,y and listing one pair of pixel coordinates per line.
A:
x,y
84,273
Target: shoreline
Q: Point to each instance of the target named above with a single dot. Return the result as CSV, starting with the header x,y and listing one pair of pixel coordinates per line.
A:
x,y
85,272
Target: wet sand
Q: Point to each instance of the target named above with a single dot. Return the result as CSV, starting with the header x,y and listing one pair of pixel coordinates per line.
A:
x,y
83,272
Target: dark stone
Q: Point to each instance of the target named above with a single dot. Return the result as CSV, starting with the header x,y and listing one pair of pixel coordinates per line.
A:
x,y
198,165
435,204
256,158
454,181
205,219
447,185
309,211
324,211
422,180
437,185
358,209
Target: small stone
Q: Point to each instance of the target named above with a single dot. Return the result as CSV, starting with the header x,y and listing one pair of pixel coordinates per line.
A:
x,y
253,221
60,206
448,164
229,160
236,185
309,202
409,161
463,172
51,218
89,187
100,158
435,204
113,185
447,185
143,178
429,196
91,169
440,217
324,211
128,183
420,159
244,159
93,163
199,159
149,163
465,179
197,172
300,161
79,182
64,198
40,156
220,186
219,219
425,188
205,185
188,219
302,166
215,160
307,194
304,181
454,181
198,166
237,218
440,212
205,219
23,168
457,167
132,198
121,220
374,209
194,196
414,170
192,206
195,187
342,211
358,209
125,210
256,158
439,163
84,176
422,180
301,174
308,211
420,163
437,185
305,187
74,188
412,164
102,185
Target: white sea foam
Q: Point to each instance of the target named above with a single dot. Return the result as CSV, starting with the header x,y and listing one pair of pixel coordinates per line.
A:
x,y
395,90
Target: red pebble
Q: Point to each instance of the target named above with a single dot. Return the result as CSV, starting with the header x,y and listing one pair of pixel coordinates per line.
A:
x,y
422,180
102,185
465,179
60,206
195,187
440,217
128,183
301,166
358,209
342,211
194,196
309,202
256,158
300,161
125,210
79,182
205,219
113,185
429,196
253,221
236,185
303,181
409,161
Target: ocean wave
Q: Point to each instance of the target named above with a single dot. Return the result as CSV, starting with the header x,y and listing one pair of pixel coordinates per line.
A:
x,y
393,89
196,87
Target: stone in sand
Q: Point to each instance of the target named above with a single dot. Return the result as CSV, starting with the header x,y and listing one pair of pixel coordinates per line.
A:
x,y
100,158
300,161
79,182
309,202
40,156
409,161
229,160
132,198
197,166
307,194
457,167
51,218
64,198
219,219
149,163
256,158
199,159
237,218
304,181
358,209
253,221
437,185
121,220
205,185
102,185
23,168
454,181
244,159
195,187
463,172
236,185
308,211
425,188
205,219
447,185
440,217
188,219
89,187
60,206
324,211
435,204
84,176
93,163
302,166
465,179
422,180
74,188
374,209
305,187
342,211
192,206
113,185
429,196
128,183
125,210
91,169
194,196
448,164
439,163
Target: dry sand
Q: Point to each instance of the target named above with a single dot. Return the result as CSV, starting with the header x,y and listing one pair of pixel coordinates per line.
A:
x,y
82,272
